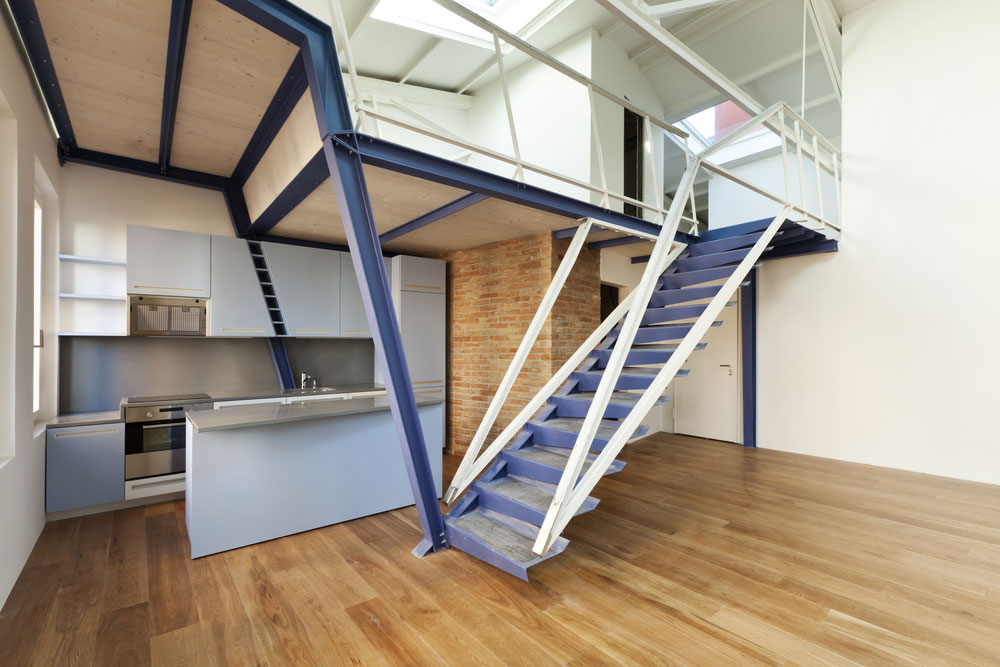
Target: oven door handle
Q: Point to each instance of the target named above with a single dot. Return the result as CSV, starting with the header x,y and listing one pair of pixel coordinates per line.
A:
x,y
146,427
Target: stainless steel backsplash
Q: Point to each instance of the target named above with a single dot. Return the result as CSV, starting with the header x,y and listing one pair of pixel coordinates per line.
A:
x,y
96,372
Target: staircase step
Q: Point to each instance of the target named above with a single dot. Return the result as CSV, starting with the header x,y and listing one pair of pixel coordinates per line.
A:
x,y
630,378
721,245
735,230
576,405
660,333
699,262
562,432
501,541
639,355
521,498
675,313
675,280
668,297
546,464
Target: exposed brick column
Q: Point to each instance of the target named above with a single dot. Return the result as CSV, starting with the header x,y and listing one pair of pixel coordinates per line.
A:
x,y
493,291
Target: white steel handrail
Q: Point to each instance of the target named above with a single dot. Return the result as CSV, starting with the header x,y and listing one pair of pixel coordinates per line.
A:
x,y
666,374
609,379
550,387
523,350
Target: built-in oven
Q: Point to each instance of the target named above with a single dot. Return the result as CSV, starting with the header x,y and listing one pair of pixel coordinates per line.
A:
x,y
155,436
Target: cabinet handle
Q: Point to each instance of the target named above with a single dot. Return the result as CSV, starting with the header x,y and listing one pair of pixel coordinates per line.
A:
x,y
83,434
178,289
358,331
309,331
411,286
429,391
428,382
149,485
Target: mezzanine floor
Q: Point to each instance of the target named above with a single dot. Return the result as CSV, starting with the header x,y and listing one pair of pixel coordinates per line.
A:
x,y
700,553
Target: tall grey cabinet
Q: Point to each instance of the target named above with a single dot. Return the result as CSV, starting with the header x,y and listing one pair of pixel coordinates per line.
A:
x,y
307,285
237,307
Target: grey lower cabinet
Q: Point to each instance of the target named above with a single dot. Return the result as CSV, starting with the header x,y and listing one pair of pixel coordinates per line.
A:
x,y
307,286
84,466
237,307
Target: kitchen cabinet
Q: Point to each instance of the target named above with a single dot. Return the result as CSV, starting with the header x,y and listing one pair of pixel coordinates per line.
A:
x,y
307,286
418,274
167,262
84,466
422,325
237,307
353,319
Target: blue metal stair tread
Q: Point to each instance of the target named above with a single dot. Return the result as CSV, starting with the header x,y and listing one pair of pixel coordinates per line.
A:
x,y
508,536
699,262
735,230
675,280
574,424
531,492
552,457
663,314
721,245
638,371
666,297
623,398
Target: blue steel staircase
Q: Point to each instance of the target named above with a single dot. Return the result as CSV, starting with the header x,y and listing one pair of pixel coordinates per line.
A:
x,y
497,519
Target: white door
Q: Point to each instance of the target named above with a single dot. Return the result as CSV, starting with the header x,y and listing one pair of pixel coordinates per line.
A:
x,y
707,402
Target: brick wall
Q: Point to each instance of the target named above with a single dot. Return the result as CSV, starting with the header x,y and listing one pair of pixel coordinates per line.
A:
x,y
493,292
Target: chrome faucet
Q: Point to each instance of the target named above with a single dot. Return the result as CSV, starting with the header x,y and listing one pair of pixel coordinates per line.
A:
x,y
305,380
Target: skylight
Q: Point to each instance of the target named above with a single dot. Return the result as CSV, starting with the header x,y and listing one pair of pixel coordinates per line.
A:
x,y
715,123
430,17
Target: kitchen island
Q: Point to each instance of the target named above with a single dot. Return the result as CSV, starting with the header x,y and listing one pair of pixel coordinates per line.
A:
x,y
258,472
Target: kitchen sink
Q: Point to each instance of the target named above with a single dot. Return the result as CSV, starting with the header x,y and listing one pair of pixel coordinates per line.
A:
x,y
314,390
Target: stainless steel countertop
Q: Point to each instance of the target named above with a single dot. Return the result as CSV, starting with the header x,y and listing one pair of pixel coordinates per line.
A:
x,y
247,394
244,416
85,419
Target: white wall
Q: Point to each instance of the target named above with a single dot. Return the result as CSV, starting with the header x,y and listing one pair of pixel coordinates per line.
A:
x,y
885,352
27,151
551,115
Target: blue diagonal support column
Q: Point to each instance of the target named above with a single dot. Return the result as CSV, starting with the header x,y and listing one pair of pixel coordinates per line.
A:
x,y
348,177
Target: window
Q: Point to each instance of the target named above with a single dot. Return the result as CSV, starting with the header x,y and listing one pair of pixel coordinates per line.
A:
x,y
36,400
714,123
430,17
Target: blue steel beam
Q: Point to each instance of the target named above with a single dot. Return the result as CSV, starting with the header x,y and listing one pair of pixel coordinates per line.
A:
x,y
433,216
142,168
348,176
300,242
394,157
180,18
281,364
302,185
748,371
641,259
28,24
287,96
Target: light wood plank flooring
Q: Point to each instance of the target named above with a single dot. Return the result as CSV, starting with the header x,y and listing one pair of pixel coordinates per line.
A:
x,y
700,553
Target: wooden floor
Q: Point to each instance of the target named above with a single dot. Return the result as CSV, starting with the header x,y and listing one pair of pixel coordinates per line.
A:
x,y
700,553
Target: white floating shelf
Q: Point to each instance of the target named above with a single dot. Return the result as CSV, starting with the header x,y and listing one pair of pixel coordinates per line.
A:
x,y
91,260
91,297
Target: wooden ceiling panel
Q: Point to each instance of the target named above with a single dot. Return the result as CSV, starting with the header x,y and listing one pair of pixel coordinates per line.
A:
x,y
110,59
232,68
396,199
489,221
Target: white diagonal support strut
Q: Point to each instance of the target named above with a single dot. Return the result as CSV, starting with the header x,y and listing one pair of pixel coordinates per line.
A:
x,y
609,378
523,350
658,386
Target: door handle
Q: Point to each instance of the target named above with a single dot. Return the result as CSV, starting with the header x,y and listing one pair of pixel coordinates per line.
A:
x,y
728,366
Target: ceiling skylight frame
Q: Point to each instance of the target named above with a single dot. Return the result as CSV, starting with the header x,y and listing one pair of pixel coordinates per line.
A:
x,y
429,17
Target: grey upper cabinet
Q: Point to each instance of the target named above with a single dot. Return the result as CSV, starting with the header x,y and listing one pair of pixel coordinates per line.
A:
x,y
84,466
166,262
237,307
353,319
418,274
307,286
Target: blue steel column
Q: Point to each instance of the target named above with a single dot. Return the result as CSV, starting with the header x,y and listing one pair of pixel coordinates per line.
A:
x,y
748,372
362,238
